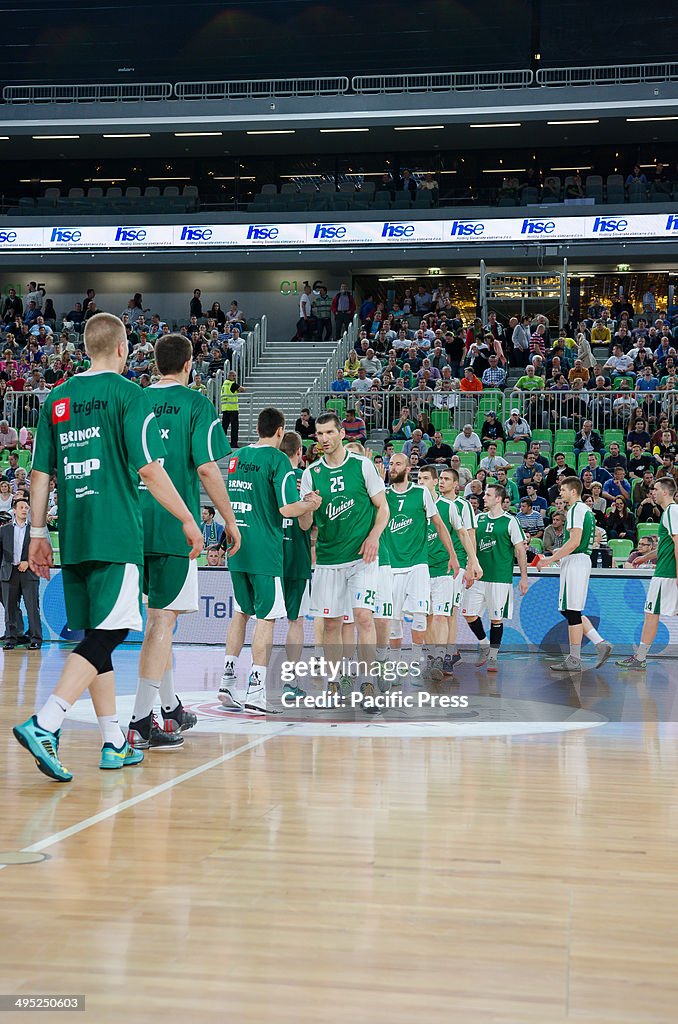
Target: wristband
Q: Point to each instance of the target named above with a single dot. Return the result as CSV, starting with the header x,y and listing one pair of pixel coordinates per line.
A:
x,y
39,533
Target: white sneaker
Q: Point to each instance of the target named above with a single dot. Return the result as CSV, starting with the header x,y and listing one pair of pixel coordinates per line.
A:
x,y
230,701
255,698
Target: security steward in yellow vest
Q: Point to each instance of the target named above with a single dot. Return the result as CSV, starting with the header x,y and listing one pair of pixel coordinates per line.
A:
x,y
229,406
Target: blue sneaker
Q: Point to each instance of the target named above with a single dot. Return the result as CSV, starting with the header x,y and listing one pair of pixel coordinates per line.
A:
x,y
448,664
119,757
293,692
44,746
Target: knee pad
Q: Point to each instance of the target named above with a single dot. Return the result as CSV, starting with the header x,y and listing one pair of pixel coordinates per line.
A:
x,y
396,629
419,622
98,646
573,618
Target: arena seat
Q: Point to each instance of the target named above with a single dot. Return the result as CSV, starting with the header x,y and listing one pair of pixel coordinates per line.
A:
x,y
621,549
647,529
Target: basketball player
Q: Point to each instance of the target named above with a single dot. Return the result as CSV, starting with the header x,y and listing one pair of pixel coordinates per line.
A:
x,y
499,539
263,492
350,521
296,563
194,441
662,596
446,590
412,509
575,572
94,432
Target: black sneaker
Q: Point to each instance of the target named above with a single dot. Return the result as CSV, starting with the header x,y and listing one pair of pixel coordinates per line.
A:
x,y
179,720
146,734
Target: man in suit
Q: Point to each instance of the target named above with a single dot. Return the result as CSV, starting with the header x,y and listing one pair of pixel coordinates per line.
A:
x,y
18,580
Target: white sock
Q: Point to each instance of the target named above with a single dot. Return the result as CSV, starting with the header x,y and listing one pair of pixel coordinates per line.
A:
x,y
110,730
260,670
52,713
643,651
575,651
147,694
168,697
485,642
494,651
417,655
382,653
229,664
594,636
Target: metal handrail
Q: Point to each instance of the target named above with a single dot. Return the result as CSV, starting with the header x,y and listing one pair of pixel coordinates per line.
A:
x,y
118,92
455,81
254,346
261,87
608,74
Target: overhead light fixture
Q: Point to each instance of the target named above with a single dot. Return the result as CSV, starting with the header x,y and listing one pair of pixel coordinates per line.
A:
x,y
504,170
130,135
4,138
337,131
273,131
581,167
178,177
105,181
195,135
45,138
420,128
593,120
668,117
232,177
505,124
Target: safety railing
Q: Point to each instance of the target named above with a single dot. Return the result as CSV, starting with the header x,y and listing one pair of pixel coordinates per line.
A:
x,y
609,74
119,92
247,357
455,81
261,87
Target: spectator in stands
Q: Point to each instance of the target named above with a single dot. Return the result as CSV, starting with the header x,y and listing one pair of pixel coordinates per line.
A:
x,y
407,184
491,430
624,405
340,385
615,458
415,444
439,452
466,440
352,365
305,426
541,460
362,382
529,381
492,461
618,487
429,184
538,341
343,308
12,305
322,312
642,488
662,425
620,523
650,296
510,486
530,519
636,177
597,471
195,309
532,492
9,439
620,364
305,323
355,428
469,381
234,315
495,375
520,339
638,434
578,372
371,364
524,474
554,535
588,439
558,470
517,428
647,546
600,333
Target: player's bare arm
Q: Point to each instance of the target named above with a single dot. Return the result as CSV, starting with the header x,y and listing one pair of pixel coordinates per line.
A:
x,y
213,483
568,548
40,549
446,541
369,549
521,555
163,490
468,542
296,509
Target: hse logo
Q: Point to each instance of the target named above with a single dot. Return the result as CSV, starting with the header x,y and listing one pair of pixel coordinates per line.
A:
x,y
464,228
610,225
130,235
397,230
7,236
195,234
64,236
329,231
61,410
261,233
671,223
77,470
537,227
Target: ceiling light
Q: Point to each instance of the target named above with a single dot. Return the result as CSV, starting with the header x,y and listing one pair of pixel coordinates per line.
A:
x,y
506,124
579,168
420,128
179,177
50,181
130,135
4,138
232,177
504,170
593,120
195,135
40,138
672,117
109,181
273,131
336,131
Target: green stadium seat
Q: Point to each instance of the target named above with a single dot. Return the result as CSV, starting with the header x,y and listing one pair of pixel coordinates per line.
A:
x,y
337,405
469,460
543,435
25,459
621,549
647,530
515,447
398,445
440,418
610,436
564,437
536,544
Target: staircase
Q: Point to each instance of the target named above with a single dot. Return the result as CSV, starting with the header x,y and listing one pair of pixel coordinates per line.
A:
x,y
282,375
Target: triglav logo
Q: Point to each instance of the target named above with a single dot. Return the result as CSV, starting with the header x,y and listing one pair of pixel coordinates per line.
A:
x,y
261,233
329,231
61,410
464,228
195,234
537,227
397,230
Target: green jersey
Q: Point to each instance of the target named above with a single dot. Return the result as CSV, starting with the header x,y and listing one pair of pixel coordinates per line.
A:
x,y
296,545
495,540
468,520
384,549
438,558
260,482
410,511
580,517
192,435
346,514
666,552
95,432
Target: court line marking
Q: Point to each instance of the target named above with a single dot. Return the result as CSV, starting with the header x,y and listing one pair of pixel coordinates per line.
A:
x,y
124,805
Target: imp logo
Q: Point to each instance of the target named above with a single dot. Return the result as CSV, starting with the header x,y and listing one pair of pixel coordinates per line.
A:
x,y
61,410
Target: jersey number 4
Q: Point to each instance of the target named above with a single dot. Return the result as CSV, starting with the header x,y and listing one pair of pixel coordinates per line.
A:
x,y
336,484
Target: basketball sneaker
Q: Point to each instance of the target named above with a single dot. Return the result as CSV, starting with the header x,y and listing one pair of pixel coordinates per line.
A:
x,y
436,671
44,746
293,692
383,683
119,757
369,694
570,664
345,686
449,661
179,720
146,734
483,655
632,665
255,699
229,700
604,651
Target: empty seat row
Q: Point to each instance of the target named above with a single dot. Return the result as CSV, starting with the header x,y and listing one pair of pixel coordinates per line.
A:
x,y
115,192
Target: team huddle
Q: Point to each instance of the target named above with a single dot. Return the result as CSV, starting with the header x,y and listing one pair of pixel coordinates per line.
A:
x,y
129,463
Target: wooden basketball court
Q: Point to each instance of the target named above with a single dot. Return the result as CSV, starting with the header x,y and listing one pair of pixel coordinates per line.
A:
x,y
352,871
